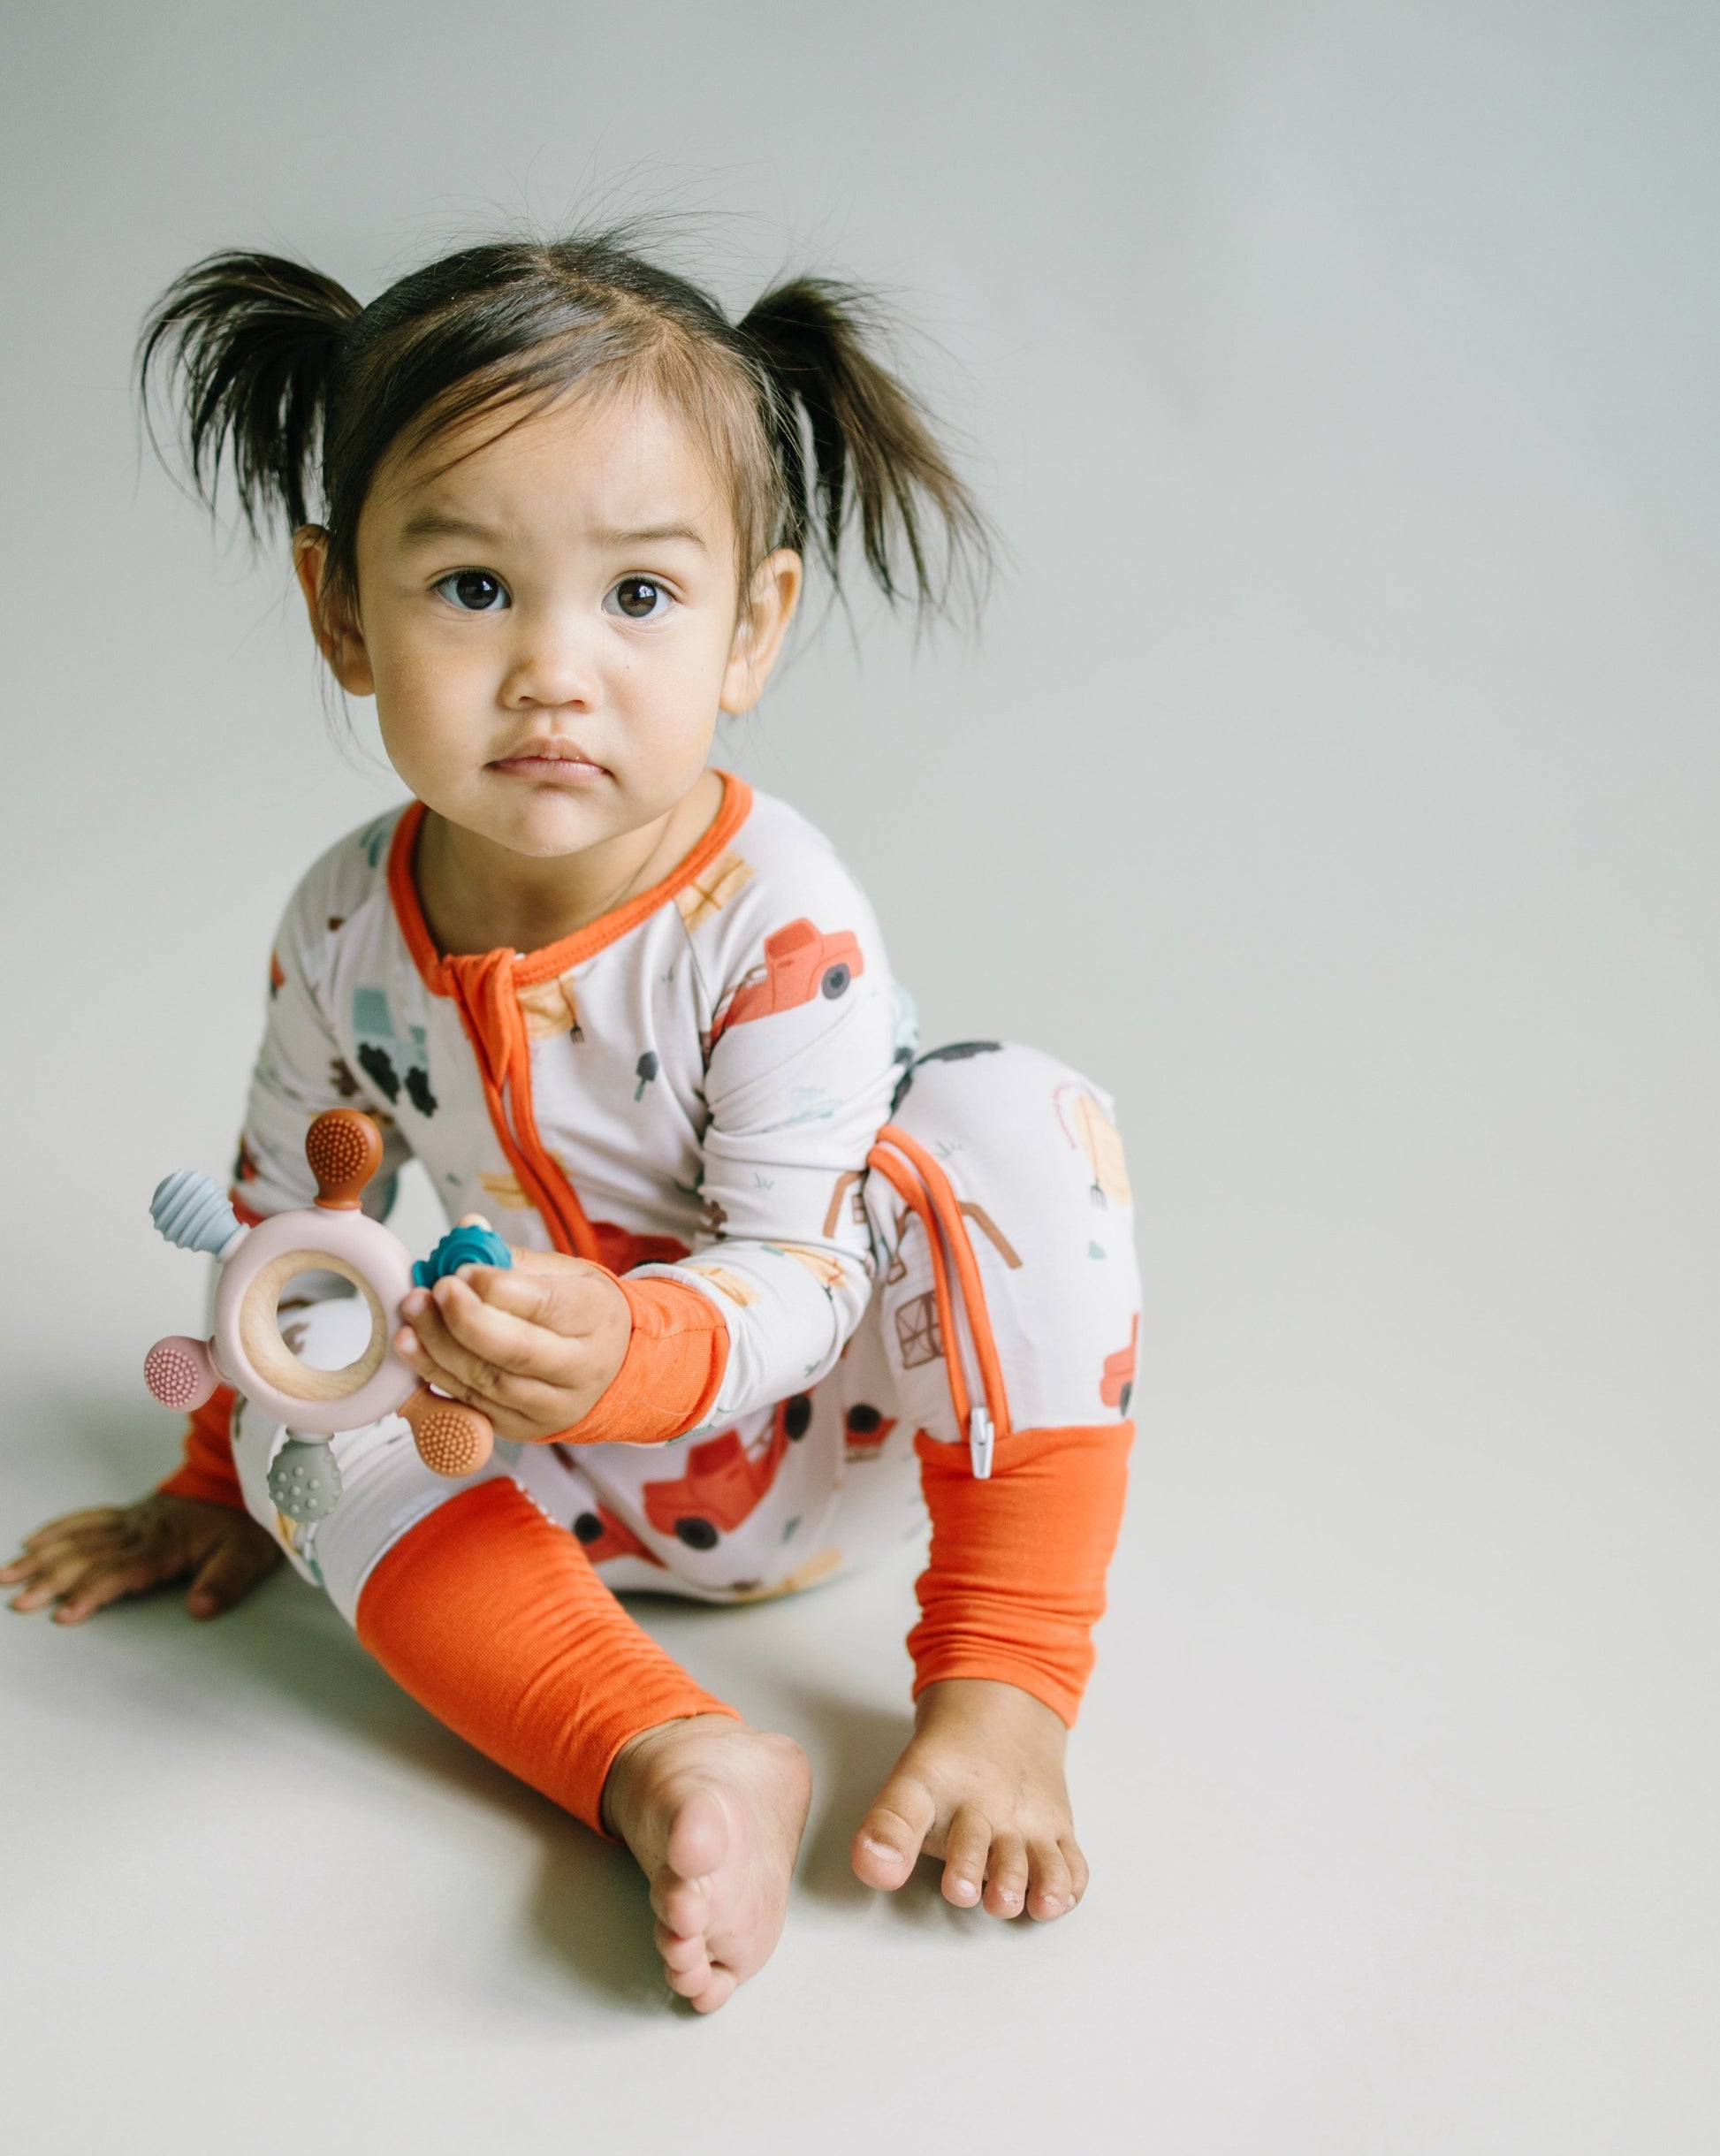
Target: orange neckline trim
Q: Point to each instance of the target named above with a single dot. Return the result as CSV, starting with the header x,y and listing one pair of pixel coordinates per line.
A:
x,y
554,959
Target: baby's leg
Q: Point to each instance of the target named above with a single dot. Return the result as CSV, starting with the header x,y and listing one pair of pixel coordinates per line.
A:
x,y
1012,1161
493,1618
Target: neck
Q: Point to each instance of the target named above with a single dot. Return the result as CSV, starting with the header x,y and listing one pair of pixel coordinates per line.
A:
x,y
479,896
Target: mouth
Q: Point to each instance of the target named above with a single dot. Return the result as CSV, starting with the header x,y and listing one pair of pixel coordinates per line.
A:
x,y
559,762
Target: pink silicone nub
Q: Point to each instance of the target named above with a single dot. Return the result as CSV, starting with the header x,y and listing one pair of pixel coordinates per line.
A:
x,y
179,1372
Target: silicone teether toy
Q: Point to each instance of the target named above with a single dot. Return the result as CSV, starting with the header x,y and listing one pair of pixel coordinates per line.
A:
x,y
247,1351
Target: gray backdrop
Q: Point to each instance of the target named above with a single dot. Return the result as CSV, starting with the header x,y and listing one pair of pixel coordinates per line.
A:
x,y
1335,780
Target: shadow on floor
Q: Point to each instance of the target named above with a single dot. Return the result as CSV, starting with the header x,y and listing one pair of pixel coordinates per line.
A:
x,y
588,1914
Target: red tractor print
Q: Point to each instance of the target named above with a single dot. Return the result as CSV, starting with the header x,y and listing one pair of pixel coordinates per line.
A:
x,y
724,1481
799,964
1117,1385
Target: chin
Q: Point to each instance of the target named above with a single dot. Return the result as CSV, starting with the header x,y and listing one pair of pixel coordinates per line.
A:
x,y
550,829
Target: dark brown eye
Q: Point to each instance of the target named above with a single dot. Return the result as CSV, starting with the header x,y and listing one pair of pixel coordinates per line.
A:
x,y
638,597
474,591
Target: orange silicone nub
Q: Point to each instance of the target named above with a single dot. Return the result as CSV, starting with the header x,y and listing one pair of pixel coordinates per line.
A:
x,y
344,1148
452,1440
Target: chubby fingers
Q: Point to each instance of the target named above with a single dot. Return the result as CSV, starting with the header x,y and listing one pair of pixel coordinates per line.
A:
x,y
529,1327
535,1377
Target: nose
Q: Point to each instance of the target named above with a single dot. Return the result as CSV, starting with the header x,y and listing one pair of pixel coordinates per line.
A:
x,y
552,662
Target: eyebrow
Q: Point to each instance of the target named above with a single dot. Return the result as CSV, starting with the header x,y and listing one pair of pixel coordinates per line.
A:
x,y
650,535
439,524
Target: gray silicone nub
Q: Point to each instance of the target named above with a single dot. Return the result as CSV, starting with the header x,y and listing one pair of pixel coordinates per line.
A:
x,y
191,1210
304,1481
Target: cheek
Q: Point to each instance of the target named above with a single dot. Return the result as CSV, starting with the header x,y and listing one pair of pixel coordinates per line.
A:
x,y
421,700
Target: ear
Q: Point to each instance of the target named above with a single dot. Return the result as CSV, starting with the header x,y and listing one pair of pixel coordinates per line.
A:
x,y
338,635
758,634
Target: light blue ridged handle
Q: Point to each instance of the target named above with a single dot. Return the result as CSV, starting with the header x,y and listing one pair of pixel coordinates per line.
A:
x,y
192,1211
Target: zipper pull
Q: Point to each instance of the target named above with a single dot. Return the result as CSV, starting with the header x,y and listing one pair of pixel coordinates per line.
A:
x,y
979,1444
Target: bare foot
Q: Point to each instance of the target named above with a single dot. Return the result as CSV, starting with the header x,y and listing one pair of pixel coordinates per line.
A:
x,y
713,1812
981,1785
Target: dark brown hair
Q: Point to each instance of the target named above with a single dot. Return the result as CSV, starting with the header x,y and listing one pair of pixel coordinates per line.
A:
x,y
286,380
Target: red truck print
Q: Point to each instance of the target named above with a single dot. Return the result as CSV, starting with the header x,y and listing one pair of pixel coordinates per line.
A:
x,y
799,964
724,1481
1117,1385
602,1537
864,1430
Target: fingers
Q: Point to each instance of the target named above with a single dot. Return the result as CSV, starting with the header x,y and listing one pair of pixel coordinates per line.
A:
x,y
892,1832
96,1590
536,1354
72,1522
131,1545
230,1570
50,1578
511,1325
474,1367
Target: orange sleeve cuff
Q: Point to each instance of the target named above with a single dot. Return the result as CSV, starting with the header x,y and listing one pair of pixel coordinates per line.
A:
x,y
207,1470
671,1373
1017,1578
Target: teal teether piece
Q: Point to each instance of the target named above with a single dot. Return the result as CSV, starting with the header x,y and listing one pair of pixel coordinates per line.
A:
x,y
459,1247
304,1481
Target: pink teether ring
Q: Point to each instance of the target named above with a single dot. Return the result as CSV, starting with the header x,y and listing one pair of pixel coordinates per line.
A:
x,y
345,1150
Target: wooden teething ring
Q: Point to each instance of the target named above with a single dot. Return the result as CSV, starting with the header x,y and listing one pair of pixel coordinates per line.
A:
x,y
344,1148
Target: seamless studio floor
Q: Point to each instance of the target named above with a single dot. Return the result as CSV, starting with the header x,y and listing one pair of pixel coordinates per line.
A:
x,y
1397,1791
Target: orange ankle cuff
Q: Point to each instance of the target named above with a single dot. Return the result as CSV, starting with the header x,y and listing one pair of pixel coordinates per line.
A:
x,y
1016,1577
493,1618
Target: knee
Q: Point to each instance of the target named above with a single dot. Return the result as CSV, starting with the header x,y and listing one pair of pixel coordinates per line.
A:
x,y
1000,1094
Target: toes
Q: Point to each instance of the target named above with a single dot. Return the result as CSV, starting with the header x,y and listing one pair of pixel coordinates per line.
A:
x,y
1049,1891
892,1832
1077,1866
966,1848
698,1836
718,1993
687,1967
1006,1876
678,1952
682,1905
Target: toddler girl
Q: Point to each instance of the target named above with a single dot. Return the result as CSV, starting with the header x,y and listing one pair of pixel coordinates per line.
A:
x,y
779,1283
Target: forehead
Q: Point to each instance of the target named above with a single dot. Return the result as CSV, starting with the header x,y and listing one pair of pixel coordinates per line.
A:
x,y
621,459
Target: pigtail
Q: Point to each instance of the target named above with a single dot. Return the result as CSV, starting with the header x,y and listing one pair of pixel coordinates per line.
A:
x,y
872,447
253,341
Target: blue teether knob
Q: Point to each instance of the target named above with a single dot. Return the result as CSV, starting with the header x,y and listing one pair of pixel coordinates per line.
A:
x,y
459,1247
191,1209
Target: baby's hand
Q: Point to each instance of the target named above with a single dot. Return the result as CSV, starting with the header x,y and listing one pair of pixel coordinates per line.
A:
x,y
981,1786
91,1558
535,1346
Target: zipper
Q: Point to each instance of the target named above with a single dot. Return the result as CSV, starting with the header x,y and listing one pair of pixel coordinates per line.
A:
x,y
922,1184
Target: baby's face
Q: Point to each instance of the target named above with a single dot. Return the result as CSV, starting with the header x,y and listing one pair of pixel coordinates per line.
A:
x,y
548,621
